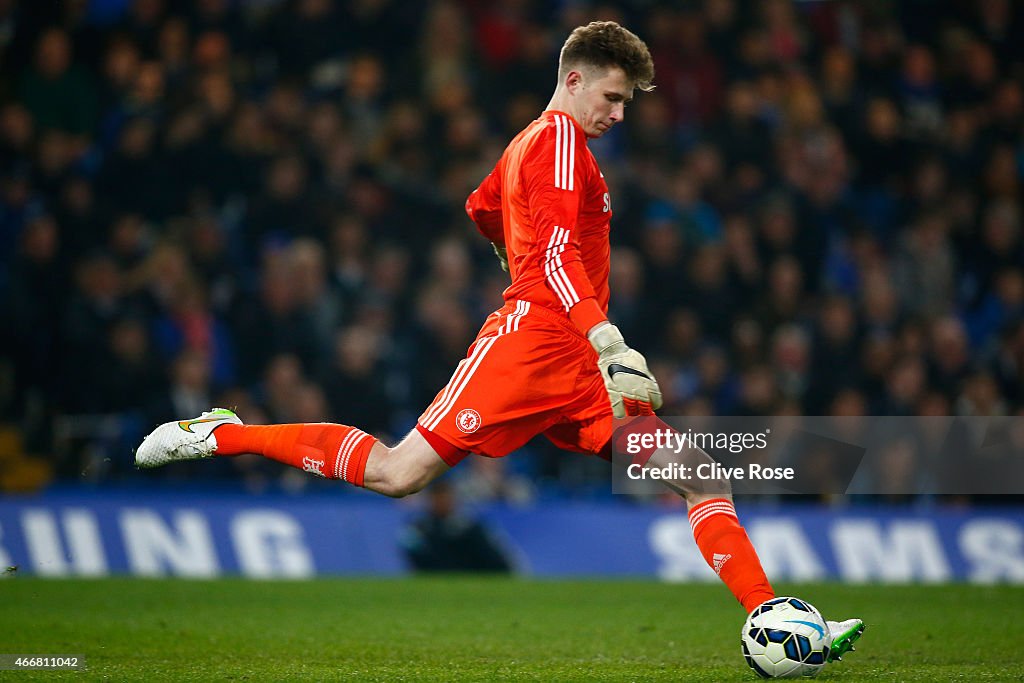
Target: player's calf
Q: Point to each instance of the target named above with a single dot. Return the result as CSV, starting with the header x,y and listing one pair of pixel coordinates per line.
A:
x,y
331,451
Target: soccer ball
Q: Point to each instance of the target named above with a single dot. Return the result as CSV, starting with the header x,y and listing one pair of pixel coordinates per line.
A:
x,y
785,638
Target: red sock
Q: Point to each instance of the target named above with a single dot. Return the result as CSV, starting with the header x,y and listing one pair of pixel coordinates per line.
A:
x,y
725,546
329,450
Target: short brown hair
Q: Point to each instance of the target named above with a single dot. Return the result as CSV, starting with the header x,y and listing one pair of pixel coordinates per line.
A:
x,y
605,44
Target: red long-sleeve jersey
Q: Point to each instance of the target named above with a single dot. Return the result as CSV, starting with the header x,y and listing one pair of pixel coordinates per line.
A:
x,y
547,202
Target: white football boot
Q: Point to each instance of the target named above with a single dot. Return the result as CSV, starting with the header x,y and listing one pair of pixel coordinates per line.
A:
x,y
844,634
184,440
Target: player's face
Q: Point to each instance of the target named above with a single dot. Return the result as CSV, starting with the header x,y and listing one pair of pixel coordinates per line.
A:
x,y
602,96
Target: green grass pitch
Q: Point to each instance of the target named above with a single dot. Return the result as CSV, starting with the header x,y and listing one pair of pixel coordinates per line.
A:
x,y
477,629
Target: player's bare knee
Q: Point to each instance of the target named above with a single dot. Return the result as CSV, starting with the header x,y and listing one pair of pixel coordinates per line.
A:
x,y
706,485
401,480
403,486
695,498
716,487
407,467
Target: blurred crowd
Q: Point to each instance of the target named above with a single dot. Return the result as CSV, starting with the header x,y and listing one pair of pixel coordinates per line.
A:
x,y
259,205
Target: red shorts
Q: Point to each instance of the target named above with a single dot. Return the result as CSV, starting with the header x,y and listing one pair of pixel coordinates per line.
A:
x,y
528,372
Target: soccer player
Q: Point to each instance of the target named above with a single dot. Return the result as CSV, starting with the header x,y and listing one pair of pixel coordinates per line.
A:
x,y
549,361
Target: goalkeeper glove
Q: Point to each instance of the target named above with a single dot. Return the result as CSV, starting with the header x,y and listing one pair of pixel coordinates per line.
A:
x,y
502,254
631,386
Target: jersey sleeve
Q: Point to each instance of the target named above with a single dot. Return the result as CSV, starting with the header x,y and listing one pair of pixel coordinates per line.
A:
x,y
554,185
484,208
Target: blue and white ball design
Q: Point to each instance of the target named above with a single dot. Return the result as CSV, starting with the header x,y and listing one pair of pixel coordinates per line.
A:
x,y
785,638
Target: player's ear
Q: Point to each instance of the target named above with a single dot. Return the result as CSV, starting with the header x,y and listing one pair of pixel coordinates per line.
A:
x,y
573,80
